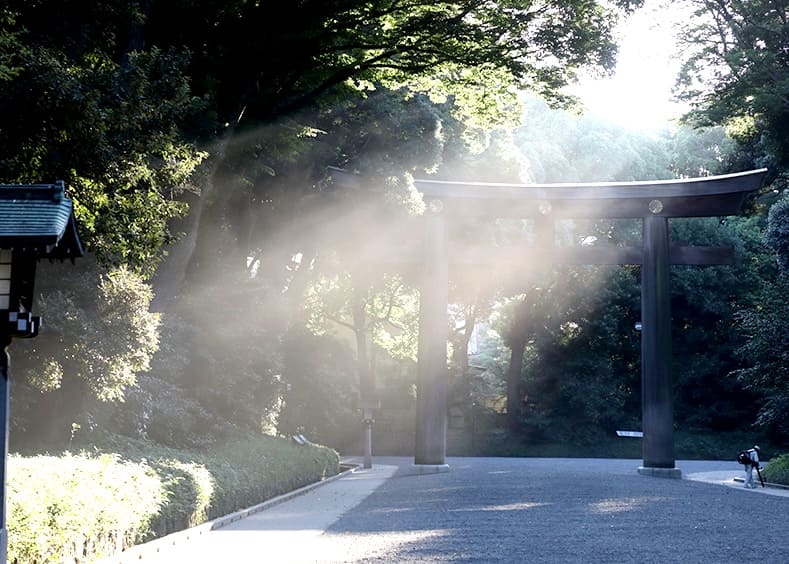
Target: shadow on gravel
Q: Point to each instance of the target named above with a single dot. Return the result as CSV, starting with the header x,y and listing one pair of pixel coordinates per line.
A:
x,y
563,510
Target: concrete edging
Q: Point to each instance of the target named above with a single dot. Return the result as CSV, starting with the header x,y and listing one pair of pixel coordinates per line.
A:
x,y
766,484
420,469
673,473
156,546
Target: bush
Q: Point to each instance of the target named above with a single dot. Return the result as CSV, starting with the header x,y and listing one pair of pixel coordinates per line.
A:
x,y
777,470
88,506
264,467
66,508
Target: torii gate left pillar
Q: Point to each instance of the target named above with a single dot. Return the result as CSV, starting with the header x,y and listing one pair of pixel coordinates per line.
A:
x,y
432,373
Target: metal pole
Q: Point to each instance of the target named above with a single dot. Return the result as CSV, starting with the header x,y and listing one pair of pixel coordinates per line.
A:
x,y
656,393
432,375
5,396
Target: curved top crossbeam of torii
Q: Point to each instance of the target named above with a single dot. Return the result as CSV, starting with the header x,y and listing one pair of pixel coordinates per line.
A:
x,y
688,197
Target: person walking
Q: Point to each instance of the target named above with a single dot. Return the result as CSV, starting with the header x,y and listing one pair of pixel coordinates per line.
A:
x,y
753,455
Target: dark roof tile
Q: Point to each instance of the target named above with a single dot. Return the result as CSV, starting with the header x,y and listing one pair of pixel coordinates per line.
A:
x,y
38,217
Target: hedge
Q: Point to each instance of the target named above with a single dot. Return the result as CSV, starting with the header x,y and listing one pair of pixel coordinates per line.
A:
x,y
777,470
82,507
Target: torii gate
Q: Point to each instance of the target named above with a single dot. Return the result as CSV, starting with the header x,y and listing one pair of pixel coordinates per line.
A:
x,y
652,201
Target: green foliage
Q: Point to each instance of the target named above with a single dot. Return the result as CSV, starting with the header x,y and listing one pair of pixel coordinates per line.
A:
x,y
190,488
700,444
100,336
391,310
700,151
777,233
276,92
254,470
69,507
83,507
735,70
777,470
765,356
337,47
559,146
103,339
735,75
110,131
763,323
322,389
9,35
85,103
218,370
705,305
688,445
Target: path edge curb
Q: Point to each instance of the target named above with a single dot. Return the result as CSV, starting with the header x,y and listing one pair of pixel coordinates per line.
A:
x,y
157,546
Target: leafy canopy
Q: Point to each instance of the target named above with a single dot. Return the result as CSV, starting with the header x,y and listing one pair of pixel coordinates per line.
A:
x,y
736,69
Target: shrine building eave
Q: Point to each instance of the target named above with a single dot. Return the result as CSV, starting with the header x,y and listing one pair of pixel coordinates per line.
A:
x,y
38,220
688,197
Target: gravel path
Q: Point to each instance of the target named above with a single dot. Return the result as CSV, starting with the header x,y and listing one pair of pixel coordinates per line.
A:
x,y
509,510
527,510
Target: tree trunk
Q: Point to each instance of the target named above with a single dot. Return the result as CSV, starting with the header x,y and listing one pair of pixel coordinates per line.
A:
x,y
514,393
366,377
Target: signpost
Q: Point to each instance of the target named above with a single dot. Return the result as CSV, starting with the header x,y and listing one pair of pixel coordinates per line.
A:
x,y
636,434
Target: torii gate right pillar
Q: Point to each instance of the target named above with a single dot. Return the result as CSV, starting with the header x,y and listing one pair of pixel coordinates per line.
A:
x,y
657,418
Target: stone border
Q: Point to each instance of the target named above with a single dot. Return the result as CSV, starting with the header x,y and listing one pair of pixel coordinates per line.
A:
x,y
766,484
421,469
157,546
673,473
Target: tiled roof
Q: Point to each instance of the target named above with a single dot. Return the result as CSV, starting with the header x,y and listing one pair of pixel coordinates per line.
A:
x,y
40,218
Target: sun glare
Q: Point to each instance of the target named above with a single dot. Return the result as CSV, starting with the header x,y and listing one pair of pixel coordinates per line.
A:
x,y
639,94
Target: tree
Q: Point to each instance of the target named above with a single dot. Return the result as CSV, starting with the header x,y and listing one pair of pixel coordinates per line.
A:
x,y
100,336
104,118
735,70
706,302
735,74
559,146
277,75
82,101
764,354
245,104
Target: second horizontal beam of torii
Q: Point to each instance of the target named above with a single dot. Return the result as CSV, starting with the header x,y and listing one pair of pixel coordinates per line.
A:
x,y
459,255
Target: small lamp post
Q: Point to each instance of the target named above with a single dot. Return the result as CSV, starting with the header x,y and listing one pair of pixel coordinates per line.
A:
x,y
36,221
367,406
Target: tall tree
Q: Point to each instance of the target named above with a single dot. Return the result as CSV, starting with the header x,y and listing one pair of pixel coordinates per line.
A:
x,y
125,101
735,70
81,101
275,71
764,355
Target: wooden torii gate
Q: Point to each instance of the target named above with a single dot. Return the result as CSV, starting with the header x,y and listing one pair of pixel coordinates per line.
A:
x,y
653,201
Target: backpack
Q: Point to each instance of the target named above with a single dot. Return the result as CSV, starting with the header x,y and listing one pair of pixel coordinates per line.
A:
x,y
744,458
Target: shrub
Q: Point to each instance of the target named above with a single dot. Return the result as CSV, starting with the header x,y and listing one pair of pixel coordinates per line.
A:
x,y
87,506
777,470
65,508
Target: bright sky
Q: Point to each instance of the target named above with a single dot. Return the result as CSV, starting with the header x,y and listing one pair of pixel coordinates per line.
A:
x,y
639,94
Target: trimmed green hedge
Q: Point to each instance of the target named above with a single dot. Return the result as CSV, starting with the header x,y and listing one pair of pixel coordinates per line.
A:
x,y
777,470
81,507
66,508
